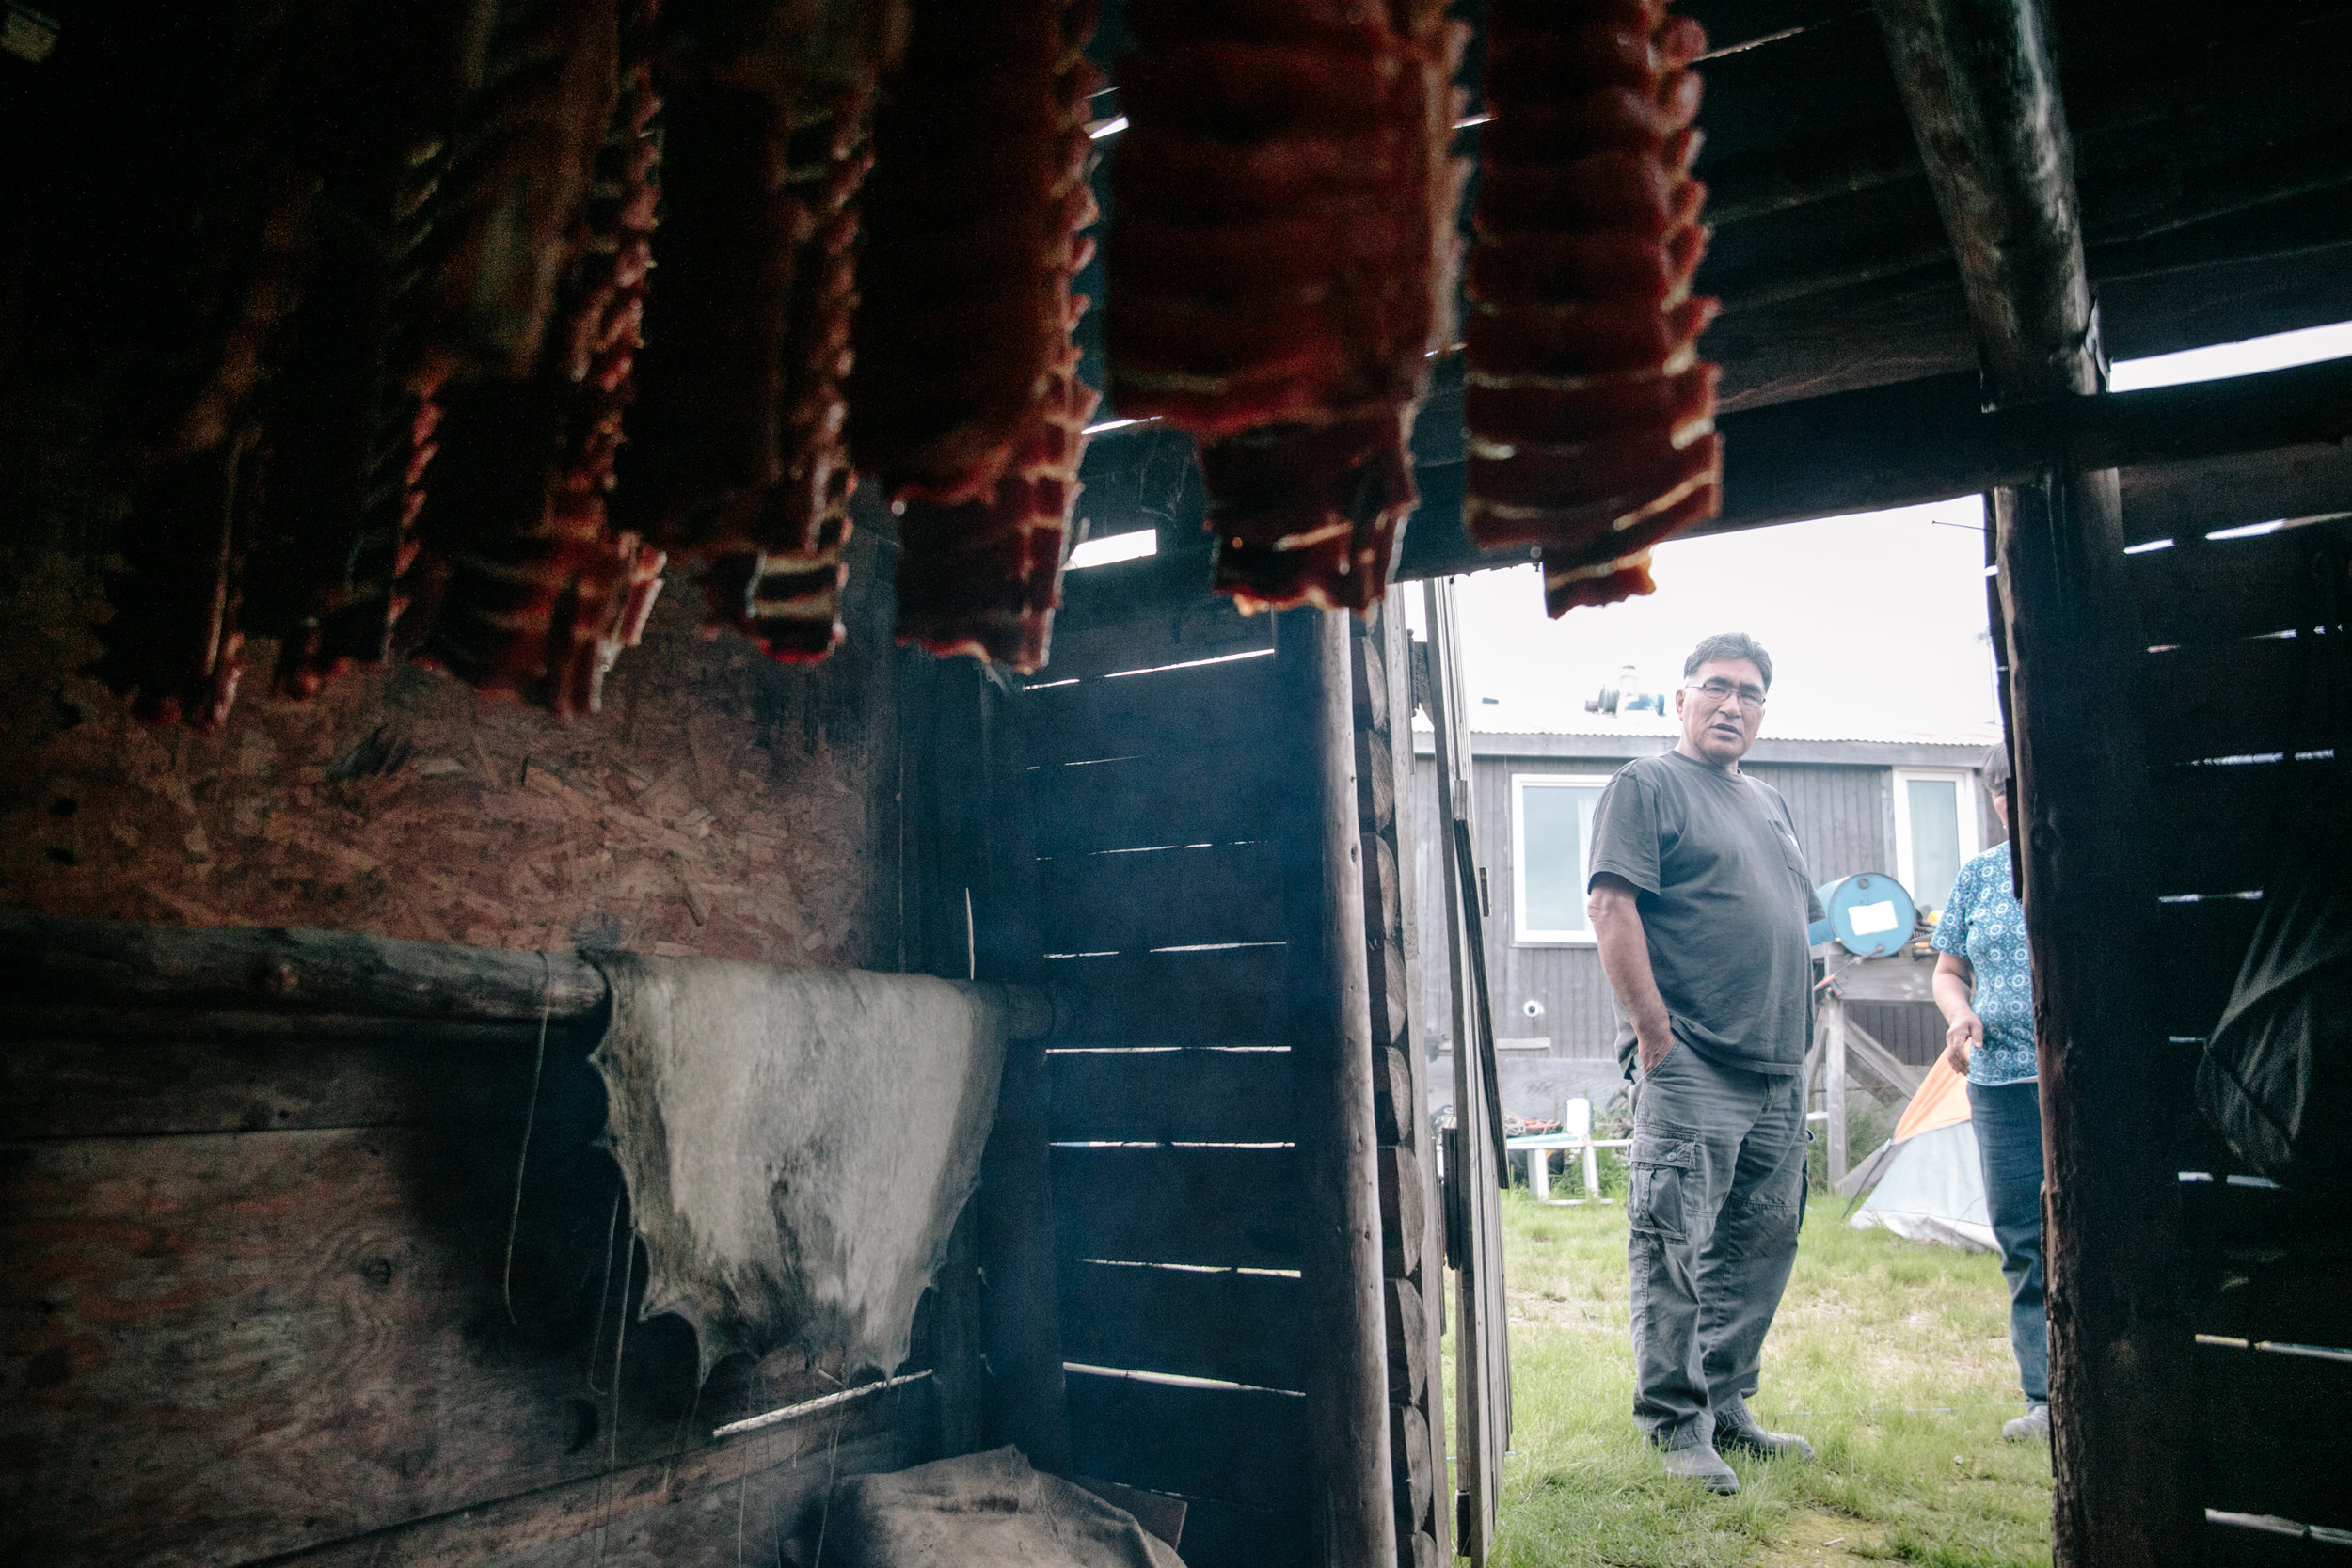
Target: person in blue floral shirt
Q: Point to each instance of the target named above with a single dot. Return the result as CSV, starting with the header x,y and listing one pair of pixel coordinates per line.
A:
x,y
1984,988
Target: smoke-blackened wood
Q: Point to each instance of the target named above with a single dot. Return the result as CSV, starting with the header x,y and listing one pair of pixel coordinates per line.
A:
x,y
2118,1347
164,1081
1191,627
2299,1301
1238,1445
2268,1420
290,971
1220,1534
763,1492
1222,1324
2230,700
1930,439
2225,590
2185,499
2221,825
1167,712
1327,1025
1221,1207
1184,1094
1981,90
1022,1332
1181,897
1211,796
1231,995
2203,943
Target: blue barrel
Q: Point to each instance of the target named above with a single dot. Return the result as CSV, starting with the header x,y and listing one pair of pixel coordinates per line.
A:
x,y
1871,914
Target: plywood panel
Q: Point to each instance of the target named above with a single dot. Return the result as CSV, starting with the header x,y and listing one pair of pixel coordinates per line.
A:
x,y
1224,1325
1168,1094
235,1345
1224,1207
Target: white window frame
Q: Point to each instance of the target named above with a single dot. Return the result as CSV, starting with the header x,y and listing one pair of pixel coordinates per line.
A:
x,y
1521,935
1968,818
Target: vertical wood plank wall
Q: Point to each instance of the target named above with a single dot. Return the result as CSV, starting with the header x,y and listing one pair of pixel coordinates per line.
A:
x,y
2268,1273
1146,761
1138,772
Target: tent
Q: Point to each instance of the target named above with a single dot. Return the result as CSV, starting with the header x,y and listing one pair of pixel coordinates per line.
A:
x,y
1929,1186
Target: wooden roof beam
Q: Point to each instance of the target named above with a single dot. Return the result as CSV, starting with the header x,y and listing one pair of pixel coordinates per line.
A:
x,y
1931,439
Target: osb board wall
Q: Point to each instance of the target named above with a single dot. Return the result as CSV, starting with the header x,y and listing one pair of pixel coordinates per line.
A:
x,y
721,804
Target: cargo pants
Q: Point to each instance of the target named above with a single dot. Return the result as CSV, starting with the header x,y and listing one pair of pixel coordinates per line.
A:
x,y
1717,1194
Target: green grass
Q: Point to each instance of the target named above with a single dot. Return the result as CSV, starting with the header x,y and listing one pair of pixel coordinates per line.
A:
x,y
1892,1356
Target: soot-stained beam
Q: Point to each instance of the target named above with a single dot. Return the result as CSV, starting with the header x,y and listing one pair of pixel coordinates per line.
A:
x,y
1980,87
1931,439
1981,90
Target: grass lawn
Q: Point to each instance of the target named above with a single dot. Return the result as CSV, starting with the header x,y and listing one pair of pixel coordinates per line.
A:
x,y
1892,1356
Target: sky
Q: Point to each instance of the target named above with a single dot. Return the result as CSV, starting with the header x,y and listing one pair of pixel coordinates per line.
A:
x,y
1876,623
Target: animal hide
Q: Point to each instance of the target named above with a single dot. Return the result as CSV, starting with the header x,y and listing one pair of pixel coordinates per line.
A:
x,y
797,1144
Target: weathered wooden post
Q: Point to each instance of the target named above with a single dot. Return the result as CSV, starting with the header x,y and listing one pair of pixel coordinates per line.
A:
x,y
1327,1025
1834,1067
1982,93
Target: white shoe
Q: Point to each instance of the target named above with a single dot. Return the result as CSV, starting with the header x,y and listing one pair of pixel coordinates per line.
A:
x,y
2033,1426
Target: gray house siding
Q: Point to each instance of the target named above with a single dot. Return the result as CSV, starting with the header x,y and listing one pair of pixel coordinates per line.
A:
x,y
1845,817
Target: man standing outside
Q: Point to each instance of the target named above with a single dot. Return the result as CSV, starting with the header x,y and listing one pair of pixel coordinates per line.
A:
x,y
1984,988
1700,901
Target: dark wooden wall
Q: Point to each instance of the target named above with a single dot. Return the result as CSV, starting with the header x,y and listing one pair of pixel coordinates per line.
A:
x,y
1147,766
2228,622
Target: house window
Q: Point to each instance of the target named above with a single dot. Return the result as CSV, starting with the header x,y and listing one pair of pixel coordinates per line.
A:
x,y
1551,838
1935,830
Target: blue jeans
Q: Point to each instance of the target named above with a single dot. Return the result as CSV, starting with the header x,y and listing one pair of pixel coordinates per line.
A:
x,y
2009,1145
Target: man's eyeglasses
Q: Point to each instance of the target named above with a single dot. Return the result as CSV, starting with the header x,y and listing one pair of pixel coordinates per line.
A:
x,y
1719,691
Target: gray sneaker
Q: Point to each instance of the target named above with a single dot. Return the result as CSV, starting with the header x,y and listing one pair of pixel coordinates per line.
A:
x,y
2032,1427
1703,1465
1734,1428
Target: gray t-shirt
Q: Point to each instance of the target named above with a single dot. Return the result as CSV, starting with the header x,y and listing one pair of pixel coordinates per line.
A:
x,y
1725,899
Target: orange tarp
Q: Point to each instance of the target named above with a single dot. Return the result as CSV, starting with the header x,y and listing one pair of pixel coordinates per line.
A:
x,y
1942,1099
